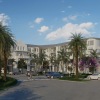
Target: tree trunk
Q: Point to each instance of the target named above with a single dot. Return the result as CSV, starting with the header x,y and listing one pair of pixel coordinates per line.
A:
x,y
0,66
77,64
62,67
5,66
0,70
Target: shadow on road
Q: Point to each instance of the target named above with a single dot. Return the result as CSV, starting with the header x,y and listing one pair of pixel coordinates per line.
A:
x,y
20,94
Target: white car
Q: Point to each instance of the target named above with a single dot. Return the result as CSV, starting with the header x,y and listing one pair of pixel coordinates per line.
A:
x,y
94,76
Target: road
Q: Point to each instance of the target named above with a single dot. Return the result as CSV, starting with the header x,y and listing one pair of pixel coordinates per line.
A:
x,y
41,88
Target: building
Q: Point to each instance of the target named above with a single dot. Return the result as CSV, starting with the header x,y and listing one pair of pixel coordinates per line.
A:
x,y
24,51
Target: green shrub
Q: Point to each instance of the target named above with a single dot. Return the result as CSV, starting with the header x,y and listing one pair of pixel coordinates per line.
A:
x,y
72,78
9,82
83,75
40,73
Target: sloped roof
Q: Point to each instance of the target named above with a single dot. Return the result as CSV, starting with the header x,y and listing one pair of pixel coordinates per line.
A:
x,y
46,46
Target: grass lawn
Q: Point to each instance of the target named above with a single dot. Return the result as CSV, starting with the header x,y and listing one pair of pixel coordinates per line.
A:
x,y
5,84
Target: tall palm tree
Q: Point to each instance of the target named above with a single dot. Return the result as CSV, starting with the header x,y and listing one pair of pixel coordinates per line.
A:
x,y
63,56
1,64
77,44
35,60
6,42
42,58
52,59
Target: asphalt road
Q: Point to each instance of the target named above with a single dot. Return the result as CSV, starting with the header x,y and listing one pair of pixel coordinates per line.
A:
x,y
41,88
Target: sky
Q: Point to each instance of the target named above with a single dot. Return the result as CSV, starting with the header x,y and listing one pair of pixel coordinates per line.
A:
x,y
43,22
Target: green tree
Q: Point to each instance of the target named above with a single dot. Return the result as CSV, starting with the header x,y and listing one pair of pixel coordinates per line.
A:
x,y
77,44
42,58
94,53
52,59
10,62
6,42
35,60
22,64
63,57
1,64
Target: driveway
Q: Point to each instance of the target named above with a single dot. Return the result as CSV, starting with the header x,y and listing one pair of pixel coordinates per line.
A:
x,y
47,89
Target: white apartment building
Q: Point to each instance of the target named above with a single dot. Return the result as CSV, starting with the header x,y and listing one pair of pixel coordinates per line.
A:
x,y
93,44
22,50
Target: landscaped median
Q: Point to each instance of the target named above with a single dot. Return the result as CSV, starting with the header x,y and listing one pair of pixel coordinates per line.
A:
x,y
8,83
82,77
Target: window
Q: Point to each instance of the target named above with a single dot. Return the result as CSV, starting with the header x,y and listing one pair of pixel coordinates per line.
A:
x,y
34,49
90,42
18,48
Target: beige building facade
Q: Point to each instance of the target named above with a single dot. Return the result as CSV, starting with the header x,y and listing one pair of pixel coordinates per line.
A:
x,y
22,50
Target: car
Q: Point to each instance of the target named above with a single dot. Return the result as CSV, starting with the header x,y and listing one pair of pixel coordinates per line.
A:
x,y
54,75
95,76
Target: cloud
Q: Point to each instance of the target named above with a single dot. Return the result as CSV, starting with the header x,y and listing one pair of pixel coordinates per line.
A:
x,y
43,29
86,25
73,17
4,19
38,20
65,31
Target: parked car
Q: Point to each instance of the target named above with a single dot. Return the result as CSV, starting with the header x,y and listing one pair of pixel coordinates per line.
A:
x,y
54,75
94,76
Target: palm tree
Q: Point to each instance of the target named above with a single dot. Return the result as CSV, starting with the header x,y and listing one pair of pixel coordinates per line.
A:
x,y
41,58
6,42
52,59
77,44
94,53
35,60
1,64
94,60
63,56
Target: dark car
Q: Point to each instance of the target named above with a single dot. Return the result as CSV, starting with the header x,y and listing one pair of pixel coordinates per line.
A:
x,y
54,75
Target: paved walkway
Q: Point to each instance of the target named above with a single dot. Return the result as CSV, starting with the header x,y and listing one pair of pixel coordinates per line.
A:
x,y
43,89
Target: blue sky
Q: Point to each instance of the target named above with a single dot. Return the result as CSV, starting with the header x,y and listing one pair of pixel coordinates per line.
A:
x,y
50,21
